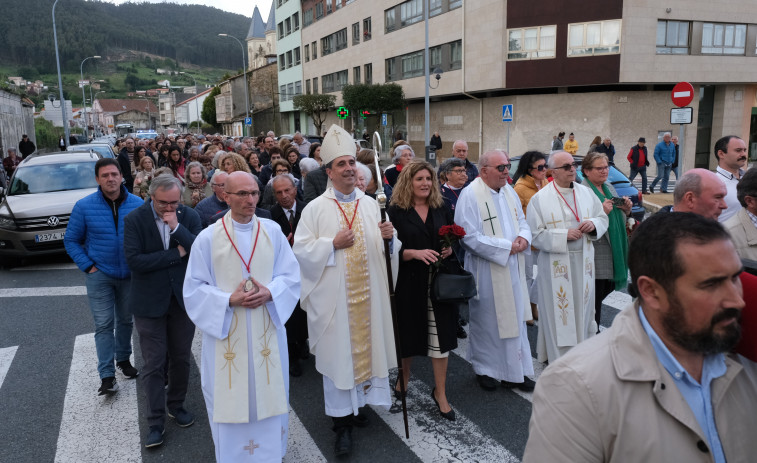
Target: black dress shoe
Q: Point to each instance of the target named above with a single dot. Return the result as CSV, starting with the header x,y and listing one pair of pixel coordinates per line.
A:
x,y
461,321
651,190
343,444
461,334
526,386
487,383
360,420
450,415
295,369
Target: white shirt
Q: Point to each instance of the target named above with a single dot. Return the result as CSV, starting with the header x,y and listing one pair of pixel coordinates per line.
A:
x,y
730,181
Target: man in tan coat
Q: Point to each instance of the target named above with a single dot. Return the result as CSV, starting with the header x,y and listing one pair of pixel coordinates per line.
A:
x,y
658,385
743,226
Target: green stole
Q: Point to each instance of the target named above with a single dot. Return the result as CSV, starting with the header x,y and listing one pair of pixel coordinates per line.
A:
x,y
618,239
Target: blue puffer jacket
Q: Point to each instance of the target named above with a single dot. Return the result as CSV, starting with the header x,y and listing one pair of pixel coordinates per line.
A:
x,y
92,237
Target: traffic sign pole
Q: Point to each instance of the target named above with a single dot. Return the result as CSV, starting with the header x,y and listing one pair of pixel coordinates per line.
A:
x,y
681,95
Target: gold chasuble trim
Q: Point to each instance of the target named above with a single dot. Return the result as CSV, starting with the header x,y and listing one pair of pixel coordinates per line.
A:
x,y
358,295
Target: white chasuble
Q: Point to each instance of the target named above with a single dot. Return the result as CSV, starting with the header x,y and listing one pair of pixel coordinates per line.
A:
x,y
509,358
566,268
259,440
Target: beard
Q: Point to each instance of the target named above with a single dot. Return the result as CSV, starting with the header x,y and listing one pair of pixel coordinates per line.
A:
x,y
705,341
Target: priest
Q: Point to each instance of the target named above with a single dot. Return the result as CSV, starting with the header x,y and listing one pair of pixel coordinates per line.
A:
x,y
565,218
496,238
339,245
241,286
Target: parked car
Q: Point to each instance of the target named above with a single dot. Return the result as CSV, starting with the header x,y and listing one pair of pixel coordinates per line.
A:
x,y
310,138
103,149
616,178
35,209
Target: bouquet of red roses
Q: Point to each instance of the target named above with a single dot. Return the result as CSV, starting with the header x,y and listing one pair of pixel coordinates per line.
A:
x,y
450,234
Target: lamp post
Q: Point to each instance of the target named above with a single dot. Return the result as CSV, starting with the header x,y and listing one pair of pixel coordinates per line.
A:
x,y
83,97
244,68
60,81
97,125
197,107
92,101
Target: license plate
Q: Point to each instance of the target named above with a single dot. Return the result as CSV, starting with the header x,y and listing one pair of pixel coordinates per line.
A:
x,y
49,237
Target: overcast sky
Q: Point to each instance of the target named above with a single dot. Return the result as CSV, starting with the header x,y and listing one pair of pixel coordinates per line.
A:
x,y
243,7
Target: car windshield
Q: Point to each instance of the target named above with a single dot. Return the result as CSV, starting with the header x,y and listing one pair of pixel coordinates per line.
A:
x,y
53,177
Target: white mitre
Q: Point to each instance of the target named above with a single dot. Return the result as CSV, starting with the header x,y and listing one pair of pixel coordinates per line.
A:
x,y
338,142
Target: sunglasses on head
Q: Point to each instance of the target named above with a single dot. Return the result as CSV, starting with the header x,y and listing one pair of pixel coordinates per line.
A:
x,y
568,167
501,167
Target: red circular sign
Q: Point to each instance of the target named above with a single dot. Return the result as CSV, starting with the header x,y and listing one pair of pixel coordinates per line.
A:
x,y
682,94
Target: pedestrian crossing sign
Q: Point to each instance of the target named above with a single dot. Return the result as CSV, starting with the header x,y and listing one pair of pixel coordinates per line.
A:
x,y
507,113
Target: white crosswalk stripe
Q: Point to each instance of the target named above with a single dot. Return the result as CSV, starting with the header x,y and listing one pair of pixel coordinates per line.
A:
x,y
44,291
45,267
6,358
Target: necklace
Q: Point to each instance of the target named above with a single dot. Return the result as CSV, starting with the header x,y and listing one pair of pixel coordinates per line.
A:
x,y
575,213
349,222
249,285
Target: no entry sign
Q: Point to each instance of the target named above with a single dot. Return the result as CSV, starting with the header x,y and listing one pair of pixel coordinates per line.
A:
x,y
682,94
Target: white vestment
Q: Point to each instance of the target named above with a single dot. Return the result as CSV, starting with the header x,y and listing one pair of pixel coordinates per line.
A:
x,y
566,268
325,285
208,307
507,359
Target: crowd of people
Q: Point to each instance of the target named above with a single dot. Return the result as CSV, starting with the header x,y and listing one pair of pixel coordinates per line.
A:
x,y
277,250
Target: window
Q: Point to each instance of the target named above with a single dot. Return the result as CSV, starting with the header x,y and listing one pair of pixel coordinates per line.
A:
x,y
456,55
314,46
307,53
297,56
307,86
281,30
296,21
338,4
289,59
356,33
367,29
445,57
341,79
411,12
369,73
282,62
723,39
672,37
595,38
341,39
412,65
290,91
435,60
298,87
356,75
283,93
390,70
315,84
455,4
531,43
334,42
434,7
328,82
389,20
308,18
319,10
288,26
329,9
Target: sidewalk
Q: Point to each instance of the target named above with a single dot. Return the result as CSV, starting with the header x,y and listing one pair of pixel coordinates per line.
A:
x,y
654,202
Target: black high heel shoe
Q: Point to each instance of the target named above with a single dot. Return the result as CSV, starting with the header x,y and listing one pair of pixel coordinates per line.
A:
x,y
450,415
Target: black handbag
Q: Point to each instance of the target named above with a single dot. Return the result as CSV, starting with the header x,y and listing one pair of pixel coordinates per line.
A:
x,y
452,283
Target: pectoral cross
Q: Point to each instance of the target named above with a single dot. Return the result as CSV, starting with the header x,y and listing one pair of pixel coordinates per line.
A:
x,y
554,222
251,448
490,218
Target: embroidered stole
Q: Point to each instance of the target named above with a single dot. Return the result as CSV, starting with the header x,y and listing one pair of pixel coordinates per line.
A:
x,y
560,272
504,299
231,389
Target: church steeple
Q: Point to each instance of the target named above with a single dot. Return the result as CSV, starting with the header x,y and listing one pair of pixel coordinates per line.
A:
x,y
271,24
257,26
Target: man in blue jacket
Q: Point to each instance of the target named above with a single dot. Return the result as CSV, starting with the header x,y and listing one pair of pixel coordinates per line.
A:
x,y
95,241
664,155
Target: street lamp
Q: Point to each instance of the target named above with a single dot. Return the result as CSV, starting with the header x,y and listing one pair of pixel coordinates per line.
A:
x,y
96,124
244,68
83,97
60,81
197,107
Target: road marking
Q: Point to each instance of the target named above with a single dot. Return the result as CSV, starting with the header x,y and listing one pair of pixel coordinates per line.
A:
x,y
300,447
44,291
43,267
90,421
6,358
433,438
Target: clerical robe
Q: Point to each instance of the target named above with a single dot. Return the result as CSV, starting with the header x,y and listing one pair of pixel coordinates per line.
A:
x,y
566,268
345,294
504,359
208,307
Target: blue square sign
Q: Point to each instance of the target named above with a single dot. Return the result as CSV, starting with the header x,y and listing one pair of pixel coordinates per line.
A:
x,y
247,121
507,113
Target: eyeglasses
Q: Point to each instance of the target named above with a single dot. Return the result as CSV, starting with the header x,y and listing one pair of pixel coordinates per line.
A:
x,y
244,194
568,167
601,169
458,171
220,185
166,204
282,171
501,167
540,167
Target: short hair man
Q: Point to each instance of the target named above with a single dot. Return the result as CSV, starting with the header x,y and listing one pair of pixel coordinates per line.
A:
x,y
565,218
664,155
460,151
242,284
126,162
265,149
743,226
658,382
557,144
26,146
638,158
701,192
496,237
731,153
94,240
571,146
214,204
339,243
158,263
242,149
607,148
303,144
266,172
674,166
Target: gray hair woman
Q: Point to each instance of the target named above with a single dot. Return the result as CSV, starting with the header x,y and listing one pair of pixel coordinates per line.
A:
x,y
197,185
364,176
308,165
403,154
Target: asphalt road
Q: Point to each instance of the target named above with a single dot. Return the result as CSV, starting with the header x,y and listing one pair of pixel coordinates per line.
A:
x,y
51,410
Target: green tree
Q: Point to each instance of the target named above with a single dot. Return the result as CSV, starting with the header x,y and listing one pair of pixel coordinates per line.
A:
x,y
316,106
378,98
208,112
47,134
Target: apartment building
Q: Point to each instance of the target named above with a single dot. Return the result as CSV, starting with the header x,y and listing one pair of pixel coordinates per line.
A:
x,y
590,67
289,49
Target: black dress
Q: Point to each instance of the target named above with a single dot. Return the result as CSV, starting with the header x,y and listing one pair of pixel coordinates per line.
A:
x,y
412,291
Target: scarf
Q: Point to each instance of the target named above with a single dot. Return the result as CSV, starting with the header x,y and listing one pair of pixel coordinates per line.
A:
x,y
198,191
618,239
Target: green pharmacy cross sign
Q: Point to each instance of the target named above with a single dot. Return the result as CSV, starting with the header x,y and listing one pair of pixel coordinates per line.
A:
x,y
342,112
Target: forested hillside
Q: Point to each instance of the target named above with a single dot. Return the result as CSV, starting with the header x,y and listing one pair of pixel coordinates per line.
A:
x,y
186,33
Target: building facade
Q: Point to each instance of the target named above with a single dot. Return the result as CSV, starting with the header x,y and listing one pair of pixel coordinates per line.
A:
x,y
289,49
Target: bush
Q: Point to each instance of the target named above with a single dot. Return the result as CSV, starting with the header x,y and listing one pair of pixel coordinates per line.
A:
x,y
47,134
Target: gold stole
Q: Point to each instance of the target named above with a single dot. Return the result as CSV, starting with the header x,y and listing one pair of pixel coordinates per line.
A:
x,y
357,280
231,388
